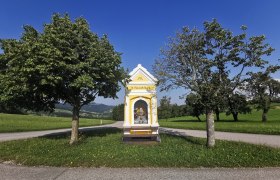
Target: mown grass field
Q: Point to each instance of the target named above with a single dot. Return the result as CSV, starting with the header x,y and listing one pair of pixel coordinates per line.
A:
x,y
104,148
20,123
248,123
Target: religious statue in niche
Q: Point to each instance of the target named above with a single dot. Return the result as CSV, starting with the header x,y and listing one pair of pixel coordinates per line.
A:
x,y
140,112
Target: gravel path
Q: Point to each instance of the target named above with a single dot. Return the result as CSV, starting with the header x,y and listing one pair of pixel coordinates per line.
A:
x,y
31,134
268,140
261,139
13,172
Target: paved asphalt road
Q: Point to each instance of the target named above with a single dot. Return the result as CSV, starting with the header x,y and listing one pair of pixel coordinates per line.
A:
x,y
12,172
16,172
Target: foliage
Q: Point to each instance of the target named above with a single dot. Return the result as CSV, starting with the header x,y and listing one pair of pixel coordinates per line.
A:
x,y
11,109
66,62
237,104
165,108
177,111
220,104
194,106
174,110
118,112
263,89
103,148
203,62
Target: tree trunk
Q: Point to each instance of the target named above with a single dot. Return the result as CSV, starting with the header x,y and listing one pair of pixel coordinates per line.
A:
x,y
235,116
264,115
75,125
198,118
217,114
210,128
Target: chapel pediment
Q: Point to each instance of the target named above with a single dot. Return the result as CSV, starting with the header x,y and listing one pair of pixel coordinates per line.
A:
x,y
140,75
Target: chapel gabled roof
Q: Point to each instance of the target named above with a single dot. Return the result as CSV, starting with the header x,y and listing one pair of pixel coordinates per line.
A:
x,y
141,70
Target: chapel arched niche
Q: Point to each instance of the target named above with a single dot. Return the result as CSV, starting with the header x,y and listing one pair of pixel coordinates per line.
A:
x,y
140,112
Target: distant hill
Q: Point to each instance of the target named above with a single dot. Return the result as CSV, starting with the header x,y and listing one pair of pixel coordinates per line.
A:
x,y
91,107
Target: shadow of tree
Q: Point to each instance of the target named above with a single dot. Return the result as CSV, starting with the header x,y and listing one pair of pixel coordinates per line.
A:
x,y
184,136
187,120
192,140
84,133
239,121
104,131
222,120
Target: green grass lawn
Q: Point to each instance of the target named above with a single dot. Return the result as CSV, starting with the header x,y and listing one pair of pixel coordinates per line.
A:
x,y
104,148
248,123
19,123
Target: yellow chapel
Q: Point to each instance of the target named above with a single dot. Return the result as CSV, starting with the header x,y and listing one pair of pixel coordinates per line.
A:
x,y
140,113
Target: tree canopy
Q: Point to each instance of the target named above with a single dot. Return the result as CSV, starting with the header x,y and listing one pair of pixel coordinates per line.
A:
x,y
66,62
210,63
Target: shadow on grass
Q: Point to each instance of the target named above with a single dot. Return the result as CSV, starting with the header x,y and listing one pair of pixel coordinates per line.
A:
x,y
186,120
183,136
239,121
192,140
104,131
222,120
84,133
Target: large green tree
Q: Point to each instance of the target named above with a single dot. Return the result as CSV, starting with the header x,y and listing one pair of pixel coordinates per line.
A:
x,y
212,63
184,64
66,62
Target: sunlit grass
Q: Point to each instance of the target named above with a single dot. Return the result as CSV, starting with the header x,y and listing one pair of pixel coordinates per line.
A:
x,y
19,123
104,148
248,123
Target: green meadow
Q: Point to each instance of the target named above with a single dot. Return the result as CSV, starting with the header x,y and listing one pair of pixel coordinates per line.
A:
x,y
248,123
20,123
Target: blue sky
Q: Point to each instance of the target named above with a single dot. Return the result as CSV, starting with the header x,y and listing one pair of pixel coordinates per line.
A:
x,y
139,28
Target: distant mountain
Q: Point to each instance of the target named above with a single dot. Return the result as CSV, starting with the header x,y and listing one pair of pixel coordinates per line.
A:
x,y
91,107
